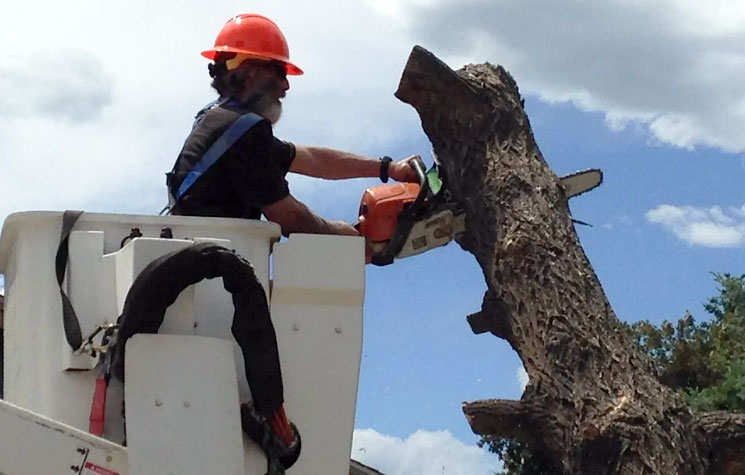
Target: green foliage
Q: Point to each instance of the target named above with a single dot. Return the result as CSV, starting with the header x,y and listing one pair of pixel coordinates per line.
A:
x,y
681,351
511,452
704,362
517,458
727,357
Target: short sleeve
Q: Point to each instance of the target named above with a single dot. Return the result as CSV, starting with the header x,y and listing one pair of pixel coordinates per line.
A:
x,y
285,151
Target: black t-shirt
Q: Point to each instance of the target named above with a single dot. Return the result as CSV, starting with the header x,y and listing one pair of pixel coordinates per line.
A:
x,y
250,175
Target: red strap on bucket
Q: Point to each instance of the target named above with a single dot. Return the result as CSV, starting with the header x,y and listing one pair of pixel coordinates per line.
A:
x,y
98,406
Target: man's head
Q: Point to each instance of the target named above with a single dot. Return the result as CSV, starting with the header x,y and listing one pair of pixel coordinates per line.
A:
x,y
258,84
251,64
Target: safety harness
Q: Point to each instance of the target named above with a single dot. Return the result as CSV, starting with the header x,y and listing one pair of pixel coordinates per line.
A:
x,y
151,293
232,134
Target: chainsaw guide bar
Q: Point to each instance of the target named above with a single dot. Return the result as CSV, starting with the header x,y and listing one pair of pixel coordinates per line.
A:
x,y
405,219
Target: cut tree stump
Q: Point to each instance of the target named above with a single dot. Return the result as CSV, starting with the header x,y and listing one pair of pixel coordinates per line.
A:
x,y
593,404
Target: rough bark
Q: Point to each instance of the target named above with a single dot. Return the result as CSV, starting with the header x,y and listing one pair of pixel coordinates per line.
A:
x,y
593,403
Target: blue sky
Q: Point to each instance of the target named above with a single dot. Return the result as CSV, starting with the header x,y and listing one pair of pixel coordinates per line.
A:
x,y
97,98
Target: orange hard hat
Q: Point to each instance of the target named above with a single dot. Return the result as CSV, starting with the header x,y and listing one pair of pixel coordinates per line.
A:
x,y
255,36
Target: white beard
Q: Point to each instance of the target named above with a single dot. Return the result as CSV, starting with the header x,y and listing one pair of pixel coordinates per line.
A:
x,y
271,112
268,108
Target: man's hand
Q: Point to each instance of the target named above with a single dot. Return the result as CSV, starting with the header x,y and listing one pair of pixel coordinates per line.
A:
x,y
343,228
402,170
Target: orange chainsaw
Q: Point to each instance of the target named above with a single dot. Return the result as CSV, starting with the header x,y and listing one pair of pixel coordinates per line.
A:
x,y
404,219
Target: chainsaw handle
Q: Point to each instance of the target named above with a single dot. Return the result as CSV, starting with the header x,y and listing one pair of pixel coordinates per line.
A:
x,y
418,165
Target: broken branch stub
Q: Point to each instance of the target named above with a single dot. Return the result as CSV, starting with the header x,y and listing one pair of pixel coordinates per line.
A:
x,y
593,404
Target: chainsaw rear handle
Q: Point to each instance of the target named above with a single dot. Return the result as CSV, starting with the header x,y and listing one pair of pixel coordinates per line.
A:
x,y
418,165
406,218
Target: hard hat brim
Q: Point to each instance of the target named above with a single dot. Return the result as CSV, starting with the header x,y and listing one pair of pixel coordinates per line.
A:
x,y
292,69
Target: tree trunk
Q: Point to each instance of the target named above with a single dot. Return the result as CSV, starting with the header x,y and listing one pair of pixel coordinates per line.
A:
x,y
593,404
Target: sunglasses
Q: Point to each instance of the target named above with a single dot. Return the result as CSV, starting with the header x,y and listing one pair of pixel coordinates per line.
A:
x,y
278,68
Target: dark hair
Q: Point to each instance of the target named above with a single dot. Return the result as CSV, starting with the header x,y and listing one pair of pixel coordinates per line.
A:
x,y
226,83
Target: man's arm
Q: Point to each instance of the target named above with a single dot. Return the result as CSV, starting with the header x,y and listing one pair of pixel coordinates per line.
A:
x,y
332,164
294,217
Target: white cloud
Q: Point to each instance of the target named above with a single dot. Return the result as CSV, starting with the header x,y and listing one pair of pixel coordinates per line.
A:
x,y
423,452
522,377
709,227
63,84
668,65
619,221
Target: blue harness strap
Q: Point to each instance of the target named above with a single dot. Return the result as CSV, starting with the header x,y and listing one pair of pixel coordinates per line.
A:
x,y
236,130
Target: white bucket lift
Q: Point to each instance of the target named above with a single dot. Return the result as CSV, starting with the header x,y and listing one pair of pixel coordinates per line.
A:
x,y
184,384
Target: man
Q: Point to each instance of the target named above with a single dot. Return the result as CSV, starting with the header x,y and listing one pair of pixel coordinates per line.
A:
x,y
231,165
249,70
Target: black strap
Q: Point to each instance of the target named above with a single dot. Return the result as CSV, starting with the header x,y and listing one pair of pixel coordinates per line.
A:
x,y
69,318
385,163
161,282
